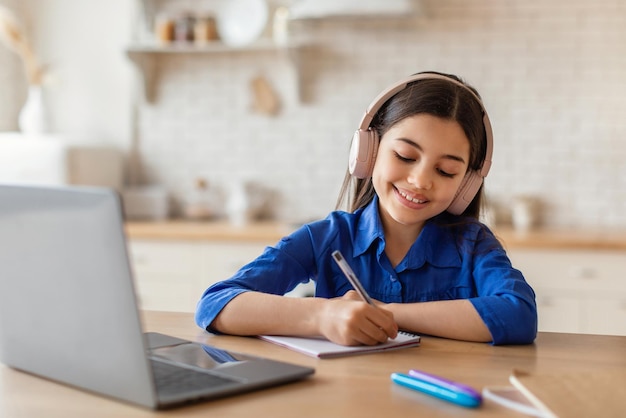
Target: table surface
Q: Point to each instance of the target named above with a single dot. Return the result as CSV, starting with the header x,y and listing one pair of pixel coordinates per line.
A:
x,y
355,386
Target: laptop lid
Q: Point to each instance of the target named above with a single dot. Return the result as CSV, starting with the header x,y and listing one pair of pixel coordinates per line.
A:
x,y
68,309
67,304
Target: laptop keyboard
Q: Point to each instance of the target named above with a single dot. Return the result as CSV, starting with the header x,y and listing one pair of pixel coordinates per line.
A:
x,y
172,379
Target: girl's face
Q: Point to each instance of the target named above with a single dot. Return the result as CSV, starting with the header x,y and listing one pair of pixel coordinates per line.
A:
x,y
420,165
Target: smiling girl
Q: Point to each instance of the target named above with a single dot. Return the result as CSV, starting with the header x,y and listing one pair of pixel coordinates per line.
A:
x,y
411,234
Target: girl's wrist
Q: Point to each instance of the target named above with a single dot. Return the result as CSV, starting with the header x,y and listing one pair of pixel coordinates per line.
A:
x,y
314,317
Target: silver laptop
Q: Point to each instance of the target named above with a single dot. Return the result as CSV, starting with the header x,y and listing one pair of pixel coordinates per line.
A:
x,y
68,309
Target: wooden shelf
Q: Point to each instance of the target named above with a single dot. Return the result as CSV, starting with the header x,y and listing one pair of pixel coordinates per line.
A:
x,y
153,47
144,54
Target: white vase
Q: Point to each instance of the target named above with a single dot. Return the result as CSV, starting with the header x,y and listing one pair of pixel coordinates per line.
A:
x,y
33,118
238,205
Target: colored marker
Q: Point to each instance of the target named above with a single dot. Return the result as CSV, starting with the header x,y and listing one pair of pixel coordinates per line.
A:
x,y
439,387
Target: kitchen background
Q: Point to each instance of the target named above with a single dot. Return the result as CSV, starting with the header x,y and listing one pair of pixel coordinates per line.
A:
x,y
281,112
552,75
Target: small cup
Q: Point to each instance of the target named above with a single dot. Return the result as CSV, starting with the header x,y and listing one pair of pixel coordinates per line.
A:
x,y
525,212
183,28
164,28
205,29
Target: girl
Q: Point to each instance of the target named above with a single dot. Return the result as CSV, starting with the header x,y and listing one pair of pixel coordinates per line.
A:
x,y
412,236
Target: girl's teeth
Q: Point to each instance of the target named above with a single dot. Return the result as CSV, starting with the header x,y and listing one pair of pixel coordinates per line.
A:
x,y
411,199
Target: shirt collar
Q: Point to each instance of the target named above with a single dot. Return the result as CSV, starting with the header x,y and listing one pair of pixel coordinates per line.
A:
x,y
436,244
369,228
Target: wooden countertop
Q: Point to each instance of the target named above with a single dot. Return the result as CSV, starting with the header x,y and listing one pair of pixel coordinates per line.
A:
x,y
572,239
266,232
271,232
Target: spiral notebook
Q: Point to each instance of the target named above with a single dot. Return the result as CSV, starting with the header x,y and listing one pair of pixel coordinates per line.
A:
x,y
322,348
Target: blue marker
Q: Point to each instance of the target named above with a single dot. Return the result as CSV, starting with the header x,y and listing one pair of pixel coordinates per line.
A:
x,y
439,387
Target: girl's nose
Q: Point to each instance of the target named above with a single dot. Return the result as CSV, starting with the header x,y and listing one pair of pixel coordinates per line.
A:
x,y
421,178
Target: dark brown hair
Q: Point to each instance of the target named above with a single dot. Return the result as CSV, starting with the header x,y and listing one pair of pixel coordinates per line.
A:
x,y
435,97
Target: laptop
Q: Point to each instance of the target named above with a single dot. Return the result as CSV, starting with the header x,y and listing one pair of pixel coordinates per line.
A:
x,y
68,309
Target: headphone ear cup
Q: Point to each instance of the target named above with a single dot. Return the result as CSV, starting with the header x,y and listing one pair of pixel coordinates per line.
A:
x,y
466,193
363,153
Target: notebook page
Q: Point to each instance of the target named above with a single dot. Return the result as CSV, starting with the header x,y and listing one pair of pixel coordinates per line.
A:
x,y
322,348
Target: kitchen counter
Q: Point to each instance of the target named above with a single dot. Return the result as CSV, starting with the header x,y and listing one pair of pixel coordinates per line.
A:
x,y
583,239
570,239
209,230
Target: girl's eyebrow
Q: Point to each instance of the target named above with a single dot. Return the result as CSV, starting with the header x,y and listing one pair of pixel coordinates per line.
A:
x,y
419,147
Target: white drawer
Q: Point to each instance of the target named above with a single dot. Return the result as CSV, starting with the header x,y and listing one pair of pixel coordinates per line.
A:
x,y
593,271
166,258
605,316
559,313
225,258
167,295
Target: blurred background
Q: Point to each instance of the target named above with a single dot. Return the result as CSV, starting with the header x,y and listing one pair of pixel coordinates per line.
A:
x,y
229,111
551,75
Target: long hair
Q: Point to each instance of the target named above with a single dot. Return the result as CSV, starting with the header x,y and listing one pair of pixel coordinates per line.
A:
x,y
435,97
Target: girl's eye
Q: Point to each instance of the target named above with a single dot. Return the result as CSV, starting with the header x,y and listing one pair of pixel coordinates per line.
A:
x,y
445,174
441,172
403,159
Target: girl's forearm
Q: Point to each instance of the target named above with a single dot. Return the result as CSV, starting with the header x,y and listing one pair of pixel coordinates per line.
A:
x,y
255,313
456,319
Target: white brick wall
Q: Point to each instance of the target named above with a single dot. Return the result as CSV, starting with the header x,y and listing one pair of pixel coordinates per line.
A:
x,y
552,75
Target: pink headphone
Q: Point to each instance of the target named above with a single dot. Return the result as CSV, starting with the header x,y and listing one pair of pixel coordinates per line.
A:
x,y
365,144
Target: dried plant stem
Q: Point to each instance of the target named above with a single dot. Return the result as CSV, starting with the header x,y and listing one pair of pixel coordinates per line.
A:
x,y
12,35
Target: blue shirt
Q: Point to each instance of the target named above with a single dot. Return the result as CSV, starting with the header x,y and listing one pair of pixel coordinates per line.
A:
x,y
465,261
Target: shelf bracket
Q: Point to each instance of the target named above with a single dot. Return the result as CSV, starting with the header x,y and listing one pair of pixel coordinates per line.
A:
x,y
146,71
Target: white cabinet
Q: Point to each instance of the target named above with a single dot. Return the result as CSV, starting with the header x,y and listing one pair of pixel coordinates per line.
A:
x,y
605,315
581,291
224,258
171,275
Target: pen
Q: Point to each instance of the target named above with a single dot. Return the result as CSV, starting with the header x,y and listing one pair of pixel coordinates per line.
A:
x,y
354,281
439,387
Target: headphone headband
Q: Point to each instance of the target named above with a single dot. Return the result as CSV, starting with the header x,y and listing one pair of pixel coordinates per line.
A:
x,y
365,142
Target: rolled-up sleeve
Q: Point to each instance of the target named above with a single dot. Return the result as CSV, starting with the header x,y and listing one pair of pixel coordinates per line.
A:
x,y
506,302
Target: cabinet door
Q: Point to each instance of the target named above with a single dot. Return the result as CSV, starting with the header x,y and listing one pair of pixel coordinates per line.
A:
x,y
577,290
599,272
225,258
167,274
558,313
605,316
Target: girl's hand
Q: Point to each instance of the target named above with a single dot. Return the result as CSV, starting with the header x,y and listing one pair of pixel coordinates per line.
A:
x,y
354,295
348,321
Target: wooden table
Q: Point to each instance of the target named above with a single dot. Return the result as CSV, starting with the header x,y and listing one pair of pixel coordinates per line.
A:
x,y
356,386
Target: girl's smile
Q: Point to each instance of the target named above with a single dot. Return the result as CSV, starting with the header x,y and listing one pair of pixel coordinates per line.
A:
x,y
411,199
420,165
